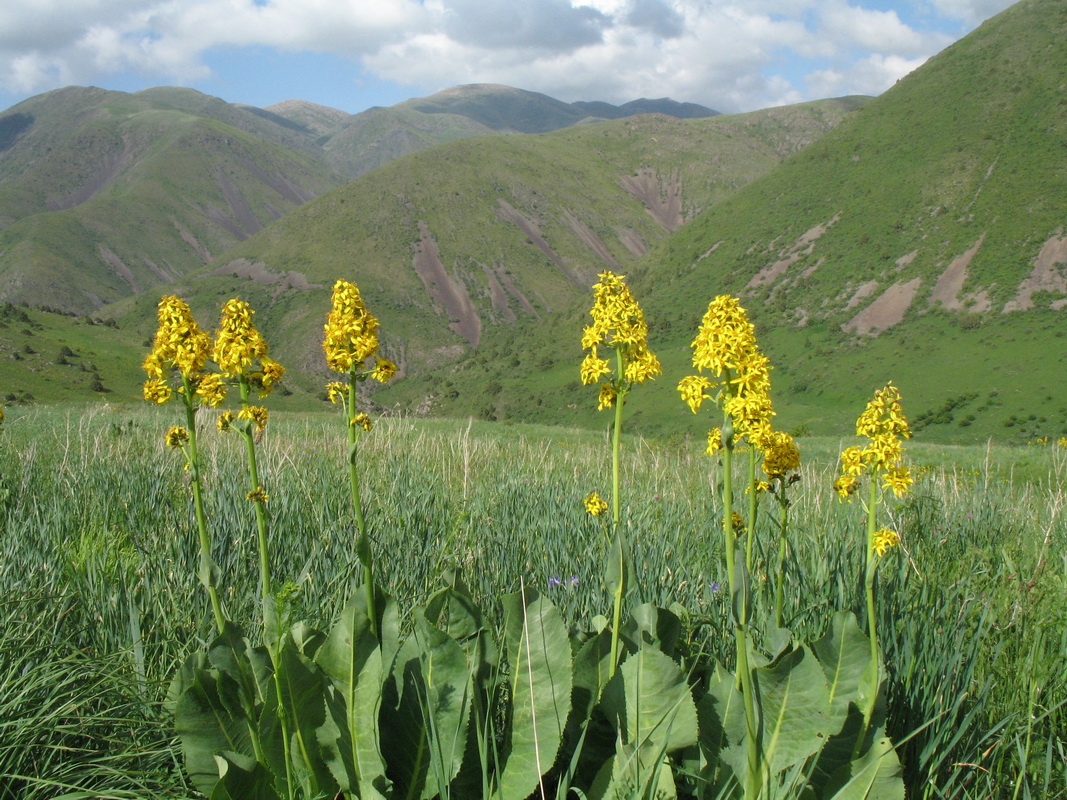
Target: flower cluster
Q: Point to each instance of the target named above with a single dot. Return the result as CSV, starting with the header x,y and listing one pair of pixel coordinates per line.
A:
x,y
594,504
883,424
180,345
726,345
351,334
884,539
619,323
241,351
177,436
780,454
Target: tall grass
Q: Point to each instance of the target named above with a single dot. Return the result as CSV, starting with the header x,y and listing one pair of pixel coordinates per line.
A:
x,y
99,551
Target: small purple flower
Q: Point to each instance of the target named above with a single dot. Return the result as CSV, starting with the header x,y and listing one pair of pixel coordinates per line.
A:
x,y
554,581
714,586
574,580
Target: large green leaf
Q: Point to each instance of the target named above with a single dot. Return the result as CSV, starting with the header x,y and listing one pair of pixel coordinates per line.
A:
x,y
876,775
303,692
539,655
206,726
793,698
242,778
352,659
651,704
721,716
652,625
843,653
425,713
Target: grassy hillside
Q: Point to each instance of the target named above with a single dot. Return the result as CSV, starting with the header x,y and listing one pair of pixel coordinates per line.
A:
x,y
104,194
454,241
920,241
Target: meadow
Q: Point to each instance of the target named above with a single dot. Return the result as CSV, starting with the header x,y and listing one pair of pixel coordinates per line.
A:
x,y
101,603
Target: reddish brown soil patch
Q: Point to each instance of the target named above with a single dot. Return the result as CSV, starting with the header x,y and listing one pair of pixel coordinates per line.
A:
x,y
886,311
588,237
801,247
189,239
861,294
950,284
120,268
506,211
661,197
447,293
258,272
1046,276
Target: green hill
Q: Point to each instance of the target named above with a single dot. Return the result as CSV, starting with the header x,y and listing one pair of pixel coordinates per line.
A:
x,y
105,194
463,238
922,240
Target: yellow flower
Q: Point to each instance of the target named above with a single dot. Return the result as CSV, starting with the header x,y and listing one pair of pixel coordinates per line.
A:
x,y
351,332
726,345
384,370
780,454
1,416
225,421
737,522
156,390
211,389
238,345
267,377
898,479
845,486
336,391
258,495
594,505
363,421
714,441
692,391
619,323
608,393
179,342
258,415
593,367
177,436
884,539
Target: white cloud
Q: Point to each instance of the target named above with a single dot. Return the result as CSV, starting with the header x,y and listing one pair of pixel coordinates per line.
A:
x,y
729,54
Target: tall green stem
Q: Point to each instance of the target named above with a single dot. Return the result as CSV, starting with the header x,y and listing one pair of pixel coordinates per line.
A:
x,y
753,505
739,599
779,584
363,549
872,616
207,564
270,617
618,547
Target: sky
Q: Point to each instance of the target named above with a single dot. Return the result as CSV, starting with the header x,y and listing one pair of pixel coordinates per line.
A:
x,y
729,55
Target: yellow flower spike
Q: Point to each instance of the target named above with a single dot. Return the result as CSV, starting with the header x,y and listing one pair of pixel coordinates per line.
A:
x,y
258,495
363,421
177,436
884,539
238,345
619,323
898,479
594,504
351,331
179,342
225,421
336,391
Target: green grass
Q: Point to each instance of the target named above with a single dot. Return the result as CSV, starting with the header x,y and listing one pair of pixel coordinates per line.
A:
x,y
99,538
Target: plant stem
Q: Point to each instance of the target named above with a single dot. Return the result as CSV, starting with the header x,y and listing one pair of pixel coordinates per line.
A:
x,y
363,549
206,564
779,586
620,584
753,778
872,617
753,505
